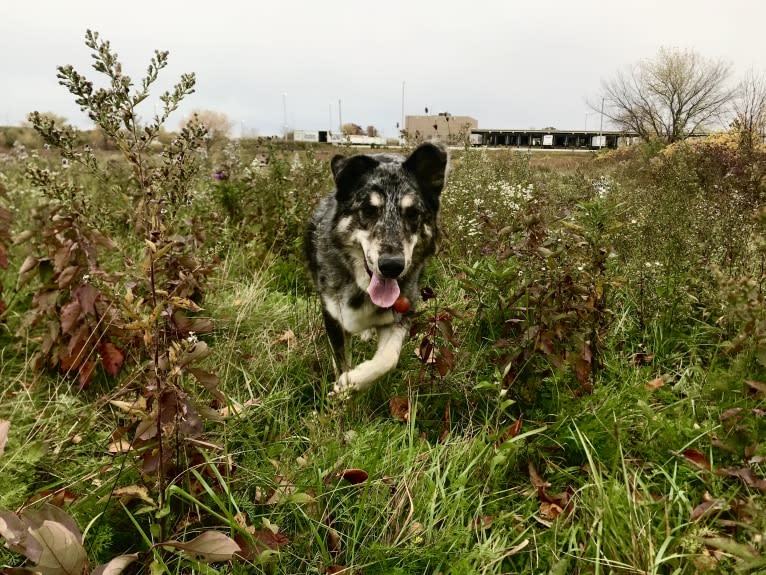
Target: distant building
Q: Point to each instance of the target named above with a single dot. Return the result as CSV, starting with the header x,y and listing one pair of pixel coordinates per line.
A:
x,y
443,127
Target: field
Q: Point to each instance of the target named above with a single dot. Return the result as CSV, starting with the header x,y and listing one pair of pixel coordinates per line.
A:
x,y
584,389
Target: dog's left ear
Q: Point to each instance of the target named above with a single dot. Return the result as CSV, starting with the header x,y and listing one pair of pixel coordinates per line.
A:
x,y
428,163
348,171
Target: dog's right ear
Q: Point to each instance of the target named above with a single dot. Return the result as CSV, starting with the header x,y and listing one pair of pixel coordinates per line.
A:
x,y
348,171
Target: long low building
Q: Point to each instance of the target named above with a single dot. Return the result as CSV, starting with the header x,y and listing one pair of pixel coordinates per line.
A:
x,y
454,130
561,139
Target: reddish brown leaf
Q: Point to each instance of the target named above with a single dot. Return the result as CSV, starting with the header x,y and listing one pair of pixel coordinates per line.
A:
x,y
746,475
73,356
86,294
270,539
85,373
445,327
56,497
697,458
730,413
426,351
535,479
400,408
445,361
70,313
513,430
708,507
582,371
353,476
111,357
66,277
550,510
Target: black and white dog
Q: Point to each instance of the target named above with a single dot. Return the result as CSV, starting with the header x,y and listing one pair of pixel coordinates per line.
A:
x,y
366,246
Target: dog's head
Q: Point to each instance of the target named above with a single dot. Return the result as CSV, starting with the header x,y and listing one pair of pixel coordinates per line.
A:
x,y
387,214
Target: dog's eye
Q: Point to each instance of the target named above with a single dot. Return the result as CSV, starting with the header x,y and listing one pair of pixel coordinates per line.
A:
x,y
411,214
369,211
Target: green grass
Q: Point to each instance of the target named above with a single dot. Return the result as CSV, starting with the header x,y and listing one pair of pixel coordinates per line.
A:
x,y
448,491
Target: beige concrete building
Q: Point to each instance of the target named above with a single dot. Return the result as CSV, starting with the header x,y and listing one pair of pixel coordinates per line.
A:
x,y
443,127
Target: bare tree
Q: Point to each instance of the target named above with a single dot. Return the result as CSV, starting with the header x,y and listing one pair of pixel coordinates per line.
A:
x,y
218,124
669,97
351,129
749,107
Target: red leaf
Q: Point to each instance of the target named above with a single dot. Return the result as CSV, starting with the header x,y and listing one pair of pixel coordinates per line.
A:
x,y
353,476
112,357
697,458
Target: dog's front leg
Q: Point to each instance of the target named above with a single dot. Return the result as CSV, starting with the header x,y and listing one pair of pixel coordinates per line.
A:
x,y
390,339
339,342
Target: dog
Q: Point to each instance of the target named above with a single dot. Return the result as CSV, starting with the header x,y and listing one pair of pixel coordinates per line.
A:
x,y
366,246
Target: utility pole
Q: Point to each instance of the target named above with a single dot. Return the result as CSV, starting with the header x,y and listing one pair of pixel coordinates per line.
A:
x,y
340,119
403,125
601,127
284,114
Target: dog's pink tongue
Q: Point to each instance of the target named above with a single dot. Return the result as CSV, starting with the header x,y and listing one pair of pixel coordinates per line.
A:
x,y
383,292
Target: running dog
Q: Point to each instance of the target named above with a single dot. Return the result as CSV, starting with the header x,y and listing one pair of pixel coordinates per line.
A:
x,y
366,246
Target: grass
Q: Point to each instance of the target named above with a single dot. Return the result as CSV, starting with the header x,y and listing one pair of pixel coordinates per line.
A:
x,y
589,483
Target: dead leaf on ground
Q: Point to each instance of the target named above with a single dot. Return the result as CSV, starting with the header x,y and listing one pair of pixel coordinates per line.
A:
x,y
287,338
656,383
400,408
758,388
129,493
730,413
697,458
210,546
746,475
353,476
550,510
708,507
116,565
535,479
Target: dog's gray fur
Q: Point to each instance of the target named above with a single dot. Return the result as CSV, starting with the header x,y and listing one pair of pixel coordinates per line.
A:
x,y
382,218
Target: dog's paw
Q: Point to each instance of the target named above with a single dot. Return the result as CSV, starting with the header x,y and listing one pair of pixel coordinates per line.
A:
x,y
343,388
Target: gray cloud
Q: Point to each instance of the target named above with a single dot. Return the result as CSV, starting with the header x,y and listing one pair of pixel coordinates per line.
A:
x,y
508,64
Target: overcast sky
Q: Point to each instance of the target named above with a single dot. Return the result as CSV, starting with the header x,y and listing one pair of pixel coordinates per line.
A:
x,y
509,64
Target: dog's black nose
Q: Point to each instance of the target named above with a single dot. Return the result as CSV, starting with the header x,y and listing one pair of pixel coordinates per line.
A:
x,y
391,266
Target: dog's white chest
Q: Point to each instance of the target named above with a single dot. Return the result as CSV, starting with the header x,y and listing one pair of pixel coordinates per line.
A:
x,y
357,320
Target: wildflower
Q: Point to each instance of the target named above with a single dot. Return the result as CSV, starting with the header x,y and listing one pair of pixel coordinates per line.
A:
x,y
219,175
